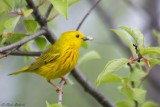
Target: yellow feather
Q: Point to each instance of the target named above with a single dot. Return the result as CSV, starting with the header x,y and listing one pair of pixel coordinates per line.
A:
x,y
20,71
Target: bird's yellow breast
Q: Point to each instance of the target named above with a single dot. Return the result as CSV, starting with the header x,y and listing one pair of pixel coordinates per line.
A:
x,y
61,66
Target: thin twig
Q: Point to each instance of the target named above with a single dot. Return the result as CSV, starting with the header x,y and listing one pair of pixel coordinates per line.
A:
x,y
87,14
22,53
48,11
7,53
53,17
28,38
41,2
61,86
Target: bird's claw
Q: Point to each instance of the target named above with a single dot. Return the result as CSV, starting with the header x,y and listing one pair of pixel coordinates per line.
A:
x,y
59,90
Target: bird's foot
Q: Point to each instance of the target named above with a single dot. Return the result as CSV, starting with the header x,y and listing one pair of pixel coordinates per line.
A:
x,y
58,89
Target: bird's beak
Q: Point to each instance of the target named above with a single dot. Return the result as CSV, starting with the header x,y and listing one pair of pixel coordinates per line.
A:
x,y
87,38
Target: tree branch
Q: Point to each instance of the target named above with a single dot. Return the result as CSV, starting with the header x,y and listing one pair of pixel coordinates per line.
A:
x,y
22,53
28,38
36,13
7,53
50,35
90,89
42,21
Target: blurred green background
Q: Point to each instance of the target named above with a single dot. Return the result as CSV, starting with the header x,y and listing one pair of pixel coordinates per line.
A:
x,y
33,91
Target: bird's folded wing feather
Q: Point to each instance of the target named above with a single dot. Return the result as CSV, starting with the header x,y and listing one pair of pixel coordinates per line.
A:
x,y
50,55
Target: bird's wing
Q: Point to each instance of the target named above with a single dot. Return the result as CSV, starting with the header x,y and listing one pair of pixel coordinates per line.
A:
x,y
50,55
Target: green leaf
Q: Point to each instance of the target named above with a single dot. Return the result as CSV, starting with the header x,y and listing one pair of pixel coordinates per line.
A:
x,y
125,103
84,45
31,25
3,11
53,105
111,78
110,67
88,56
41,42
71,2
136,94
154,61
27,12
4,8
9,3
150,50
149,104
127,91
16,37
61,6
20,3
2,21
3,40
11,23
137,75
26,46
26,59
124,36
125,80
139,95
136,34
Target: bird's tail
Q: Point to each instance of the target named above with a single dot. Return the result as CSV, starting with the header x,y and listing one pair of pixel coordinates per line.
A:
x,y
20,71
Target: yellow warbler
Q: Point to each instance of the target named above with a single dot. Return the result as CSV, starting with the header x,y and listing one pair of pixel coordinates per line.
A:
x,y
59,59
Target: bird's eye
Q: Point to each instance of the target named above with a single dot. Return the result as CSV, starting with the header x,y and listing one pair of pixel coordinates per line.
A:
x,y
77,36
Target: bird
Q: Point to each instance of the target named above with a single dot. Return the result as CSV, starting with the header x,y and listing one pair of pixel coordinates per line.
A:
x,y
59,59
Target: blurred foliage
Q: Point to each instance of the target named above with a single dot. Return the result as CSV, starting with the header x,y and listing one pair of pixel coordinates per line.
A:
x,y
131,85
88,57
53,105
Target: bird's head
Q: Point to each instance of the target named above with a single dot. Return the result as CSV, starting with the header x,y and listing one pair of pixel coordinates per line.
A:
x,y
74,38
